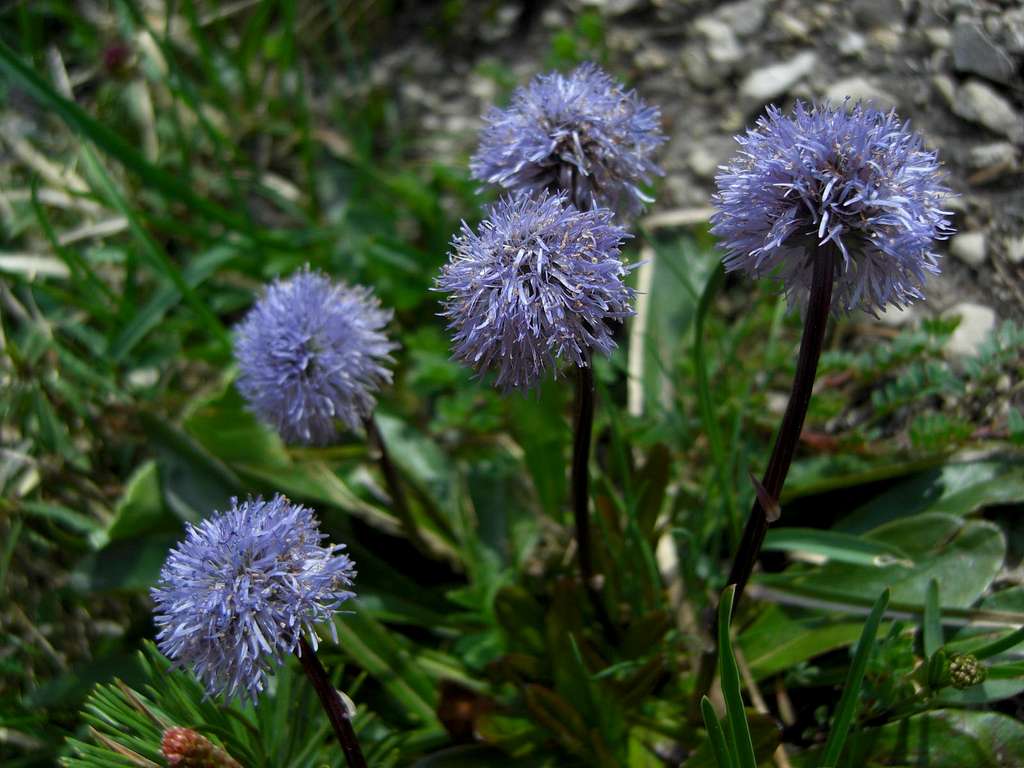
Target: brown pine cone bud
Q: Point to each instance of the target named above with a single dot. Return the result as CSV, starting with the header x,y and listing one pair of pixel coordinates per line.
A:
x,y
185,748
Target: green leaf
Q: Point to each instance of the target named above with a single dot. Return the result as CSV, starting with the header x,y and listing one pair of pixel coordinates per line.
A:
x,y
76,521
964,555
539,425
837,547
194,482
776,642
954,489
716,737
706,407
387,658
948,738
932,640
764,730
741,744
125,565
1001,645
847,708
141,510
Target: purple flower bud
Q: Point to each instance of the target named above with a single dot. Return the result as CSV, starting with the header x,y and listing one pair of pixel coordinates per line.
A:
x,y
312,353
540,281
582,134
856,183
234,598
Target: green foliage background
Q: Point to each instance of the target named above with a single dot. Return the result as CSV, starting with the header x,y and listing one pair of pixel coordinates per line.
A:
x,y
209,148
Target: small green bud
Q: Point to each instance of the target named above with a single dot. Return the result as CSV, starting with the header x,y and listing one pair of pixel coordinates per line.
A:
x,y
965,670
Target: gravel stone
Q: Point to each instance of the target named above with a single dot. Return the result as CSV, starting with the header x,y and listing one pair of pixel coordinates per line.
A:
x,y
939,38
969,247
997,154
860,89
744,18
770,82
852,43
1013,248
976,322
975,53
981,104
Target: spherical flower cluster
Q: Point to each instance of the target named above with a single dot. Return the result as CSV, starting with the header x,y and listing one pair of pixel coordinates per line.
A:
x,y
312,353
582,134
540,281
235,597
829,180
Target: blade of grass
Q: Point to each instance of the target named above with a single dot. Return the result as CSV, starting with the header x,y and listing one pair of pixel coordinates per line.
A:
x,y
841,547
100,295
152,252
707,411
847,708
716,737
1008,671
827,600
105,139
149,316
731,689
932,624
998,646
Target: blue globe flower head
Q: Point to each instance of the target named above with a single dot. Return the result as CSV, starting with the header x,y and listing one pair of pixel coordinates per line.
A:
x,y
850,183
312,354
581,133
540,281
235,597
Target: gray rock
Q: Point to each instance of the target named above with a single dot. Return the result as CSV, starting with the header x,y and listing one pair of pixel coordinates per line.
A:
x,y
1012,33
860,89
790,26
650,58
939,38
889,39
744,18
616,7
875,13
851,43
721,44
698,68
770,82
975,53
705,158
946,88
976,322
997,154
969,247
895,317
978,103
1013,248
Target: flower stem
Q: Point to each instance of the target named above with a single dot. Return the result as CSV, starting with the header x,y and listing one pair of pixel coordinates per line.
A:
x,y
335,708
581,490
399,503
815,324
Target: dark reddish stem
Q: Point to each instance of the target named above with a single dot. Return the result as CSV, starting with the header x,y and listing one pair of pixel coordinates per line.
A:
x,y
815,323
399,502
335,708
581,491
